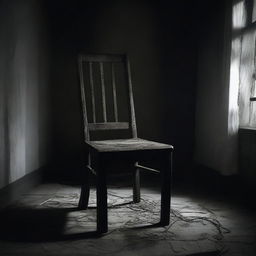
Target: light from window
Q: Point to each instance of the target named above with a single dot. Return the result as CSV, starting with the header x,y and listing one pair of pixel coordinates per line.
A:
x,y
254,11
233,116
239,15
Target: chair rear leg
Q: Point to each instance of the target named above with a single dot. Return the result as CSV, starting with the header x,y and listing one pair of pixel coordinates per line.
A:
x,y
85,192
166,177
136,185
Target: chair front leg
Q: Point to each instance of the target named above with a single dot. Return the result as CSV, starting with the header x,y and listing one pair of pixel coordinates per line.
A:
x,y
85,191
166,179
136,185
102,204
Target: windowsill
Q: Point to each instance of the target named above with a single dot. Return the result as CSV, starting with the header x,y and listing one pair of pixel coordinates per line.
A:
x,y
247,128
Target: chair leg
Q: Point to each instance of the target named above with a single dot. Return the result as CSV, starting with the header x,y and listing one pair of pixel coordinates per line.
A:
x,y
136,185
102,204
85,192
166,175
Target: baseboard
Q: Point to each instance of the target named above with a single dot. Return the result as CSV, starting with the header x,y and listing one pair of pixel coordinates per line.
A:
x,y
14,190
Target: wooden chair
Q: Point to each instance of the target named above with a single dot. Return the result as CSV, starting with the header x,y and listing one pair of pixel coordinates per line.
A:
x,y
102,152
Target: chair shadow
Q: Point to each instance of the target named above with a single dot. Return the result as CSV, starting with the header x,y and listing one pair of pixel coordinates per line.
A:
x,y
25,224
210,253
38,225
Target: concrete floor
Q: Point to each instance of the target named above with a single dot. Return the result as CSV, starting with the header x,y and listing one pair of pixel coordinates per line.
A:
x,y
47,222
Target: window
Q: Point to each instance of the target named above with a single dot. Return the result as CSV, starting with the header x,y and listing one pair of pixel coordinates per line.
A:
x,y
242,90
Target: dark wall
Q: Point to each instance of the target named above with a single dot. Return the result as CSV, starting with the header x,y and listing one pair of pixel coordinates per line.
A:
x,y
247,150
160,40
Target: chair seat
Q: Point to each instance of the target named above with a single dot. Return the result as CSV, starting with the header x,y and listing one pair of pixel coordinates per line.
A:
x,y
122,145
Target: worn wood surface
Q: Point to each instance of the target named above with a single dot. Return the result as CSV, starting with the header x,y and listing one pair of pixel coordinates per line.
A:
x,y
142,167
94,125
82,89
126,145
114,91
136,184
100,60
85,191
132,149
102,200
92,92
108,126
103,93
85,187
131,102
102,57
166,180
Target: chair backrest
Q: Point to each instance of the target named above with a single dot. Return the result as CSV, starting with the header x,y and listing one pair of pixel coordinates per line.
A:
x,y
88,65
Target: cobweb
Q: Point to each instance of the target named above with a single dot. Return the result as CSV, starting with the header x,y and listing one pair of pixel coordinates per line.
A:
x,y
189,222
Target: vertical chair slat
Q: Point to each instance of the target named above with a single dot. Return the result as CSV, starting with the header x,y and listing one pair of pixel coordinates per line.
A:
x,y
114,91
131,102
92,92
103,92
81,76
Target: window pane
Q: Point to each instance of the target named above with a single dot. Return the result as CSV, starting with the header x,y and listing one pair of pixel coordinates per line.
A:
x,y
254,11
239,15
247,109
233,118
